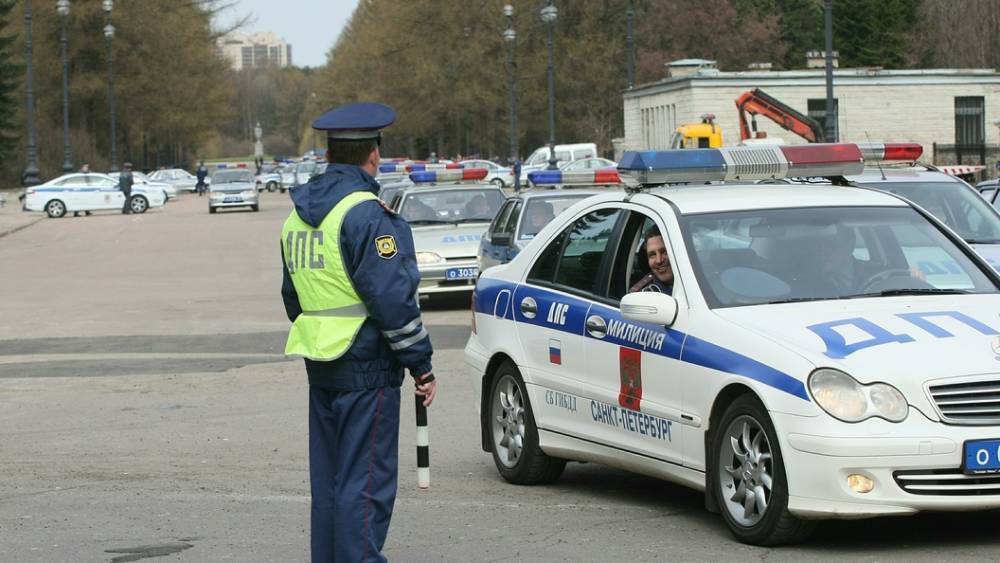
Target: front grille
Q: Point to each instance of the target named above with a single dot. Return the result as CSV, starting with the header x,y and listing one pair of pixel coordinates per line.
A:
x,y
947,482
976,402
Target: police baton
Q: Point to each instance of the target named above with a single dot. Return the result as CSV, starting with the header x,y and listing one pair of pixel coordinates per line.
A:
x,y
423,447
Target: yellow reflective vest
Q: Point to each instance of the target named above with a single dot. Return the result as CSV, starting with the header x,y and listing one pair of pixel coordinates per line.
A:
x,y
332,311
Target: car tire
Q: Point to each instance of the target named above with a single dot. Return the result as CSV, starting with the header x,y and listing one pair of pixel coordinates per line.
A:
x,y
55,209
211,209
255,207
744,433
138,204
513,434
283,190
271,186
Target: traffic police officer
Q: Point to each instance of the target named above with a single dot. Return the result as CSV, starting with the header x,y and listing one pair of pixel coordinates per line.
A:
x,y
350,290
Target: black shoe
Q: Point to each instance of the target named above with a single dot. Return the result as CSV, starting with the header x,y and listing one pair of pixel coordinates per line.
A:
x,y
87,213
76,214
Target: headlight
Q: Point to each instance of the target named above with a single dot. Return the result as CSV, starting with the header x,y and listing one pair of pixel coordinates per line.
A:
x,y
427,258
842,397
249,193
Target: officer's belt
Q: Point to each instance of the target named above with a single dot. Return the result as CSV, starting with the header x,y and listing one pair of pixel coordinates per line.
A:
x,y
357,310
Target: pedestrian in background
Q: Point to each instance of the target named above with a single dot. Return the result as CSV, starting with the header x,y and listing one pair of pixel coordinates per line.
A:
x,y
201,174
350,290
125,185
517,175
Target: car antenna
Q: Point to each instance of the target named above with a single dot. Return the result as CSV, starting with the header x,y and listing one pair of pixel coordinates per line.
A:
x,y
878,162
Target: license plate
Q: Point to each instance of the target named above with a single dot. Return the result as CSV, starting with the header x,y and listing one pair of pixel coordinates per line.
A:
x,y
232,199
460,273
981,456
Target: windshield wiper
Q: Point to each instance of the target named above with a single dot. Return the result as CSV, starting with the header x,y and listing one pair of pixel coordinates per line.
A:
x,y
428,222
909,291
797,300
472,220
982,241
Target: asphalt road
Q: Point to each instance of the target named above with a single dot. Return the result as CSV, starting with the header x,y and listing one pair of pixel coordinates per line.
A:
x,y
146,411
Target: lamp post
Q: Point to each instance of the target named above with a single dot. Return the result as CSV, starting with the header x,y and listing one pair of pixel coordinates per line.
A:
x,y
549,14
109,33
510,36
831,118
30,175
629,44
62,8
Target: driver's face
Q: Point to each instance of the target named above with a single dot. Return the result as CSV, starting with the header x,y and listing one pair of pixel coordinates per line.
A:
x,y
659,264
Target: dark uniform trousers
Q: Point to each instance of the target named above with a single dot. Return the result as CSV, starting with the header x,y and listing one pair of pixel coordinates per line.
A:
x,y
353,449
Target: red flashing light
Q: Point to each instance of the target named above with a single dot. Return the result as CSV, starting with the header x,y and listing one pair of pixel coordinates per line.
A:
x,y
472,173
903,151
607,177
821,153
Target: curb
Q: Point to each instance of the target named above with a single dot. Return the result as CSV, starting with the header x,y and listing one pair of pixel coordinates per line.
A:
x,y
20,227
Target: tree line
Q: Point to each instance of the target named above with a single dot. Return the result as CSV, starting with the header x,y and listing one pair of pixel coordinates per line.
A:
x,y
440,63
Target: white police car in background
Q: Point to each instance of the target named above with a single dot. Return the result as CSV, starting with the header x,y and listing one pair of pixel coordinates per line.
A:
x,y
88,191
803,367
448,212
523,216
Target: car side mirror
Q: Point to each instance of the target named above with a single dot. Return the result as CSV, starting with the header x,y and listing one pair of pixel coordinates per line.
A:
x,y
650,307
501,239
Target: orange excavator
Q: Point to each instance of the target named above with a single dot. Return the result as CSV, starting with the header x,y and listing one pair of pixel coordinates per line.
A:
x,y
757,102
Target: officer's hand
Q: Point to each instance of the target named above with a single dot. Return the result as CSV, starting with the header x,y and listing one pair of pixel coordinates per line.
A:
x,y
427,390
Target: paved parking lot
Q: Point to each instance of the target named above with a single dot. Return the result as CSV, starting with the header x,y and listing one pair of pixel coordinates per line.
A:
x,y
147,411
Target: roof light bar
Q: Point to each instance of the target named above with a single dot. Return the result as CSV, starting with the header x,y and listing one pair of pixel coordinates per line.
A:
x,y
417,167
742,163
451,175
884,152
603,176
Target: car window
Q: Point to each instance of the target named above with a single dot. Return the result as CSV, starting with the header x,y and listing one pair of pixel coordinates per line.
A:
x,y
577,253
63,182
500,221
988,193
451,206
103,182
541,210
511,225
953,203
631,264
799,254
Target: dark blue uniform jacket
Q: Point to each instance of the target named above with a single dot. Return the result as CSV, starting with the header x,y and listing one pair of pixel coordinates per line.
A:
x,y
393,336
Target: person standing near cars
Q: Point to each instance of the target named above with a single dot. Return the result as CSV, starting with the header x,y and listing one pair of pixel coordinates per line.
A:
x,y
201,173
125,185
349,288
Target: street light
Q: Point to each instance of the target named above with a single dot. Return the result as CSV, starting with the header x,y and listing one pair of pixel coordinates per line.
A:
x,y
629,44
62,8
30,175
109,33
549,14
510,36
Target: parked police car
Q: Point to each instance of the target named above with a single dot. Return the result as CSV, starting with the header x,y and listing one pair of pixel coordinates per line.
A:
x,y
88,191
447,221
524,215
233,188
951,200
802,366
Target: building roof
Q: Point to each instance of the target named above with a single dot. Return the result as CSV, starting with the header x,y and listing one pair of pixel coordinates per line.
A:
x,y
842,77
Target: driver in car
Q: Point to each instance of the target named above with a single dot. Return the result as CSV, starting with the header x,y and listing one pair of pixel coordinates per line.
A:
x,y
661,273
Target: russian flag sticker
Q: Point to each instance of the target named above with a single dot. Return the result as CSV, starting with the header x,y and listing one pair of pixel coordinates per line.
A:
x,y
555,352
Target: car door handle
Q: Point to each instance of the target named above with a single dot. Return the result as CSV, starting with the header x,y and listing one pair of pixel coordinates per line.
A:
x,y
529,308
596,326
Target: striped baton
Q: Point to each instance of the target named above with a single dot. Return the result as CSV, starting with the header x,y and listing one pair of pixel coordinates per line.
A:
x,y
423,448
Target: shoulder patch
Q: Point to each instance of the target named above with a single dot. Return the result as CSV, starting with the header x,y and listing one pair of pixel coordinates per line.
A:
x,y
385,245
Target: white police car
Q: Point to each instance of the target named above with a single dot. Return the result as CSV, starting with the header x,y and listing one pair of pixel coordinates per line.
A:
x,y
523,216
88,191
448,211
803,367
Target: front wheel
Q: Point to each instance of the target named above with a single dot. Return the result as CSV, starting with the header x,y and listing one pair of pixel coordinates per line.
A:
x,y
748,476
255,207
271,186
138,204
55,209
514,443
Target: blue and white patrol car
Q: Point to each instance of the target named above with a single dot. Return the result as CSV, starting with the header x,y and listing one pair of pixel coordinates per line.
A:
x,y
88,191
802,367
524,215
448,211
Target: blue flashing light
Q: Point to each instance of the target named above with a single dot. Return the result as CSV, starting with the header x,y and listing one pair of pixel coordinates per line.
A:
x,y
423,177
545,177
682,165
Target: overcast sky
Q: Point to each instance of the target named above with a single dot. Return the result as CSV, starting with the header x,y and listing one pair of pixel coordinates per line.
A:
x,y
311,26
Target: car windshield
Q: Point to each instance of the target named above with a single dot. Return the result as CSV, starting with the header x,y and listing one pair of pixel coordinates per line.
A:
x,y
539,211
965,212
306,167
806,254
451,206
231,177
